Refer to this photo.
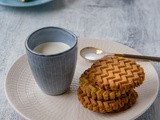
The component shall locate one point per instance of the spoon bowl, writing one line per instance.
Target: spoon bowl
(92, 53)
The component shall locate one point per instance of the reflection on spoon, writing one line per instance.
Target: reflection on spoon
(93, 54)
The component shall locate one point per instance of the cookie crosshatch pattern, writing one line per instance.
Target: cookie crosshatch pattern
(108, 85)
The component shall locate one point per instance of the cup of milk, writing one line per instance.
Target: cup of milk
(52, 56)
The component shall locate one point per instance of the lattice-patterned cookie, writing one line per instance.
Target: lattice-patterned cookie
(116, 73)
(95, 92)
(103, 106)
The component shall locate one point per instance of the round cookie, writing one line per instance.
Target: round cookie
(116, 73)
(95, 92)
(117, 105)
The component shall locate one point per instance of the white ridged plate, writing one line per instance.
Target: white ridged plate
(27, 99)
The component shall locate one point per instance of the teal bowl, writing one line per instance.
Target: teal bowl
(18, 3)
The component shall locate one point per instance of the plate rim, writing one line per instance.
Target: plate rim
(24, 5)
(114, 42)
(5, 88)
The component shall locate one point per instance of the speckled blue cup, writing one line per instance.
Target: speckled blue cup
(53, 73)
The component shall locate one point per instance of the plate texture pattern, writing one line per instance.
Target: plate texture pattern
(27, 99)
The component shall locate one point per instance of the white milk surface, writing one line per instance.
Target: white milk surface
(50, 48)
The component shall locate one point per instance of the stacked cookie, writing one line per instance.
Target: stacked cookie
(108, 85)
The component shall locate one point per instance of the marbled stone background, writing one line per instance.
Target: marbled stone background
(135, 23)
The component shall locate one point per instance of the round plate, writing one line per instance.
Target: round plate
(27, 99)
(18, 3)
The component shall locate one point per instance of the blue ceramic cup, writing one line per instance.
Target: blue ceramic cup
(53, 73)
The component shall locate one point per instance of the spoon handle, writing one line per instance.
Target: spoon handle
(151, 58)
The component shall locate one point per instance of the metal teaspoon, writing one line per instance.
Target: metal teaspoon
(93, 54)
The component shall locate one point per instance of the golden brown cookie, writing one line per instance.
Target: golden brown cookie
(116, 73)
(95, 92)
(103, 106)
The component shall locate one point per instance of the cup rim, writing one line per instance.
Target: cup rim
(39, 54)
